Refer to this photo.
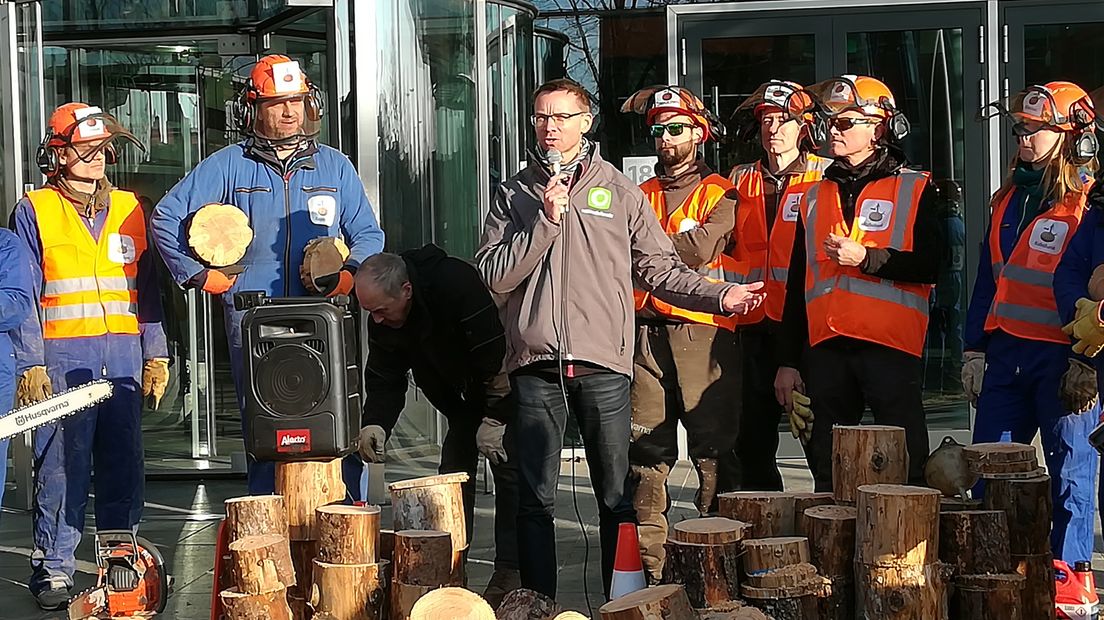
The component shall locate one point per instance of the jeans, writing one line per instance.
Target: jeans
(600, 403)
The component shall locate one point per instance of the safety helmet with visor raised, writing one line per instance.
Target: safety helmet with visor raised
(276, 79)
(863, 94)
(87, 130)
(789, 98)
(1058, 106)
(654, 100)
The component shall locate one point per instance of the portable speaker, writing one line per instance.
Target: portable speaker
(300, 375)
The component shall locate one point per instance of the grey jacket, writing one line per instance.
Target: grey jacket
(567, 287)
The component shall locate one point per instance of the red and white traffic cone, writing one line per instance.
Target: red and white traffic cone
(628, 569)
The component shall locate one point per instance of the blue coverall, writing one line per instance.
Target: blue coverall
(315, 193)
(109, 434)
(1020, 395)
(16, 304)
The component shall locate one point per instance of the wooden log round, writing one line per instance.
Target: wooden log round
(306, 485)
(452, 604)
(254, 515)
(732, 611)
(1000, 458)
(265, 606)
(838, 599)
(763, 554)
(664, 602)
(303, 553)
(709, 531)
(805, 501)
(262, 564)
(988, 597)
(709, 573)
(897, 525)
(526, 604)
(1039, 587)
(433, 503)
(975, 542)
(348, 534)
(1028, 504)
(423, 557)
(219, 234)
(403, 598)
(902, 592)
(787, 577)
(769, 513)
(350, 591)
(803, 607)
(831, 535)
(862, 455)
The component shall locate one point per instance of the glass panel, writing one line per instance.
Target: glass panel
(548, 52)
(510, 68)
(66, 16)
(1064, 52)
(924, 70)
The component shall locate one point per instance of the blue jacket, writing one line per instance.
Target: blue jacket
(1084, 253)
(17, 302)
(316, 193)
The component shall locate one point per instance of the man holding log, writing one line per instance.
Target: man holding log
(294, 191)
(563, 243)
(431, 314)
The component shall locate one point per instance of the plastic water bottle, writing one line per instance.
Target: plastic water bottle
(1006, 437)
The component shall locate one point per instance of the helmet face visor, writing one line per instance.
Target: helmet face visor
(841, 94)
(1036, 108)
(287, 119)
(777, 96)
(93, 133)
(654, 100)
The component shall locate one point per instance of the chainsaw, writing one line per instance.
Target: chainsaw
(57, 407)
(131, 582)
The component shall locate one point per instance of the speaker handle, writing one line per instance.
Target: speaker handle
(252, 299)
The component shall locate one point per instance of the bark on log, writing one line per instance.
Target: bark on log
(1000, 458)
(350, 591)
(864, 455)
(709, 531)
(306, 485)
(831, 535)
(803, 607)
(665, 602)
(303, 553)
(897, 525)
(452, 604)
(709, 573)
(348, 534)
(1028, 504)
(267, 606)
(769, 513)
(975, 542)
(525, 604)
(838, 599)
(765, 554)
(255, 515)
(403, 597)
(732, 611)
(785, 578)
(1039, 587)
(805, 501)
(262, 564)
(433, 503)
(219, 234)
(423, 557)
(300, 609)
(902, 592)
(954, 504)
(988, 597)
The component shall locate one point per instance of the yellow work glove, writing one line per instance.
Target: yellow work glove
(1086, 328)
(801, 417)
(34, 386)
(1078, 392)
(155, 378)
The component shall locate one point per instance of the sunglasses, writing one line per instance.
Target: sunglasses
(844, 124)
(675, 129)
(1022, 129)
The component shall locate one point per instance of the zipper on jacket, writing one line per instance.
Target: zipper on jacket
(563, 283)
(287, 225)
(621, 300)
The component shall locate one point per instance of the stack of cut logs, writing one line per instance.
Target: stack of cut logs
(260, 559)
(306, 486)
(349, 581)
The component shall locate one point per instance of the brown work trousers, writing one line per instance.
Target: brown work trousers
(692, 374)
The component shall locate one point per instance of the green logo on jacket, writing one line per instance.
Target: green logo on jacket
(599, 198)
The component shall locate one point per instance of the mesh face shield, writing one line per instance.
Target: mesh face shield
(91, 134)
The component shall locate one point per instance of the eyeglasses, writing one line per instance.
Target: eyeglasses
(843, 123)
(1024, 129)
(675, 129)
(540, 120)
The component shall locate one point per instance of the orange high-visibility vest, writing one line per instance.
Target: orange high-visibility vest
(756, 254)
(1024, 302)
(694, 210)
(89, 288)
(844, 301)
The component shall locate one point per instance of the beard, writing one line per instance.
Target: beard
(678, 154)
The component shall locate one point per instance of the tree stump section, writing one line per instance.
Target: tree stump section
(769, 513)
(262, 564)
(348, 534)
(732, 611)
(256, 515)
(1039, 588)
(987, 459)
(765, 554)
(798, 604)
(805, 501)
(838, 599)
(452, 604)
(350, 591)
(709, 531)
(902, 592)
(988, 597)
(785, 578)
(433, 503)
(267, 606)
(864, 455)
(832, 540)
(303, 553)
(665, 602)
(306, 485)
(219, 234)
(1028, 504)
(403, 598)
(975, 542)
(709, 573)
(423, 558)
(525, 604)
(897, 525)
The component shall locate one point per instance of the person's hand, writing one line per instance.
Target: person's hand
(372, 439)
(340, 283)
(34, 386)
(801, 417)
(787, 381)
(1078, 392)
(742, 298)
(556, 198)
(488, 439)
(1096, 282)
(844, 250)
(216, 283)
(973, 370)
(155, 379)
(1086, 328)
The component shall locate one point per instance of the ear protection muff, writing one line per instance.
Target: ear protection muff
(111, 157)
(46, 157)
(896, 124)
(818, 130)
(1083, 147)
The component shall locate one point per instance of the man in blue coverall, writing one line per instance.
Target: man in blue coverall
(16, 304)
(293, 191)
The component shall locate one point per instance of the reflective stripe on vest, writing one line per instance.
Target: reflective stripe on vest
(1023, 304)
(696, 208)
(89, 286)
(843, 301)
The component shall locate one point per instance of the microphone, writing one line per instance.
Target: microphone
(555, 159)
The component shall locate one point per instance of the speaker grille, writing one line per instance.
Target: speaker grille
(290, 380)
(262, 347)
(318, 345)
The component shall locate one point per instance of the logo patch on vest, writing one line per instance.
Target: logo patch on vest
(687, 224)
(875, 215)
(120, 249)
(1049, 236)
(599, 198)
(322, 209)
(790, 210)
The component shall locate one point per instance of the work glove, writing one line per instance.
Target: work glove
(34, 386)
(372, 439)
(155, 378)
(1086, 328)
(324, 265)
(340, 283)
(1096, 284)
(973, 370)
(801, 417)
(1078, 391)
(489, 440)
(216, 283)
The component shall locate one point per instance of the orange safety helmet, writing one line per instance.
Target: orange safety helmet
(79, 123)
(1058, 106)
(865, 94)
(653, 100)
(790, 98)
(274, 78)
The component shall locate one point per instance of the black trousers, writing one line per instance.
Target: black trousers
(758, 443)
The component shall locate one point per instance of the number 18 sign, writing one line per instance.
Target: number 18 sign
(639, 169)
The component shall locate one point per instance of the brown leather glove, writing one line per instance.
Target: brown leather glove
(34, 386)
(323, 256)
(1078, 391)
(1096, 284)
(155, 379)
